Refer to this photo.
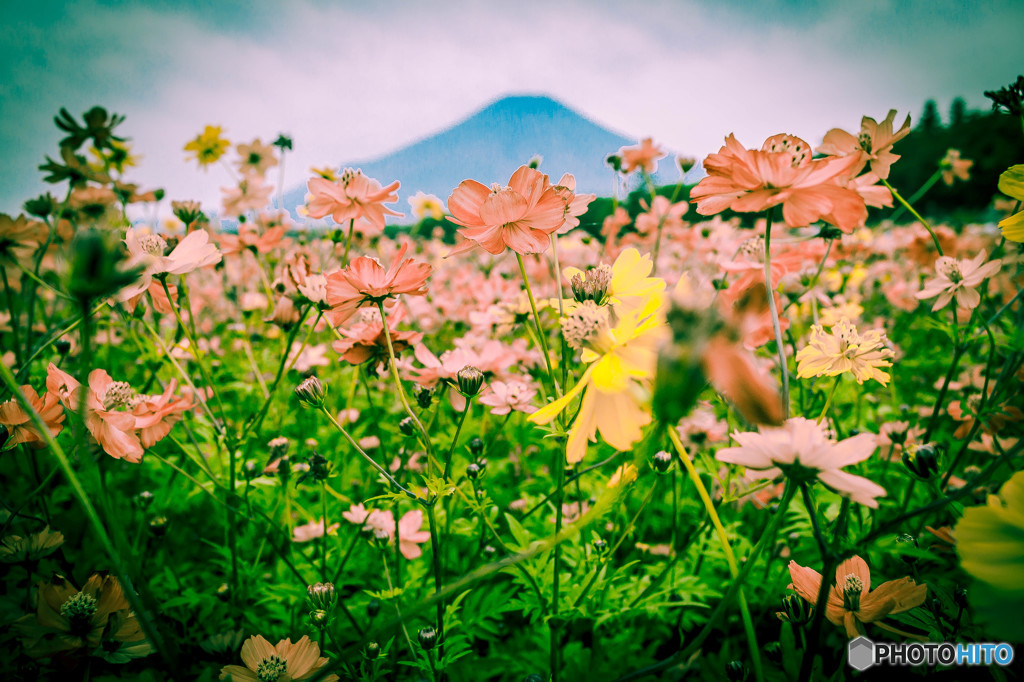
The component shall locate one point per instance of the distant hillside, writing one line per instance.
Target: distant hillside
(489, 145)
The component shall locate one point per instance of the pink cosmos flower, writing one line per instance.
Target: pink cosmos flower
(410, 537)
(112, 429)
(156, 414)
(958, 279)
(313, 530)
(365, 282)
(520, 216)
(365, 340)
(781, 172)
(575, 204)
(353, 196)
(504, 397)
(21, 428)
(644, 156)
(660, 213)
(802, 447)
(872, 146)
(953, 167)
(251, 194)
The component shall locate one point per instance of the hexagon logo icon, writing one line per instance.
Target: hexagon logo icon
(861, 654)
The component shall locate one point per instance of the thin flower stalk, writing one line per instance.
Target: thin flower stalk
(776, 327)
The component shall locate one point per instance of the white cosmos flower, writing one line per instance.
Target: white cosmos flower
(800, 448)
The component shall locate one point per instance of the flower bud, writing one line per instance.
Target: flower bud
(600, 546)
(311, 392)
(470, 380)
(829, 233)
(922, 461)
(476, 446)
(407, 427)
(187, 212)
(373, 608)
(615, 161)
(662, 461)
(795, 610)
(473, 470)
(735, 671)
(592, 286)
(322, 596)
(144, 498)
(534, 677)
(223, 592)
(428, 638)
(319, 618)
(371, 651)
(63, 347)
(424, 397)
(773, 652)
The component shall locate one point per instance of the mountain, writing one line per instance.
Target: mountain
(489, 145)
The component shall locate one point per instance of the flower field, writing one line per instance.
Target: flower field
(708, 431)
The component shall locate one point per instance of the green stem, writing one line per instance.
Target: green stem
(435, 547)
(929, 183)
(393, 367)
(348, 241)
(770, 290)
(723, 538)
(828, 401)
(362, 453)
(935, 238)
(561, 309)
(554, 625)
(455, 439)
(536, 321)
(323, 538)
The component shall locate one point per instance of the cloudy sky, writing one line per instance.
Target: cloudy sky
(355, 80)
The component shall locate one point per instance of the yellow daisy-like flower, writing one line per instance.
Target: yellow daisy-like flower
(630, 288)
(327, 173)
(208, 146)
(616, 385)
(424, 205)
(844, 349)
(850, 310)
(1011, 183)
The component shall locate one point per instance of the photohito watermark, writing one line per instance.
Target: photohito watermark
(863, 653)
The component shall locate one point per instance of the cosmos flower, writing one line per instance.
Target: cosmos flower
(958, 279)
(364, 282)
(953, 167)
(575, 204)
(426, 206)
(365, 340)
(784, 173)
(503, 397)
(851, 601)
(844, 349)
(520, 216)
(20, 428)
(70, 620)
(801, 450)
(156, 414)
(19, 238)
(255, 158)
(15, 549)
(251, 194)
(282, 662)
(352, 197)
(208, 146)
(1011, 183)
(111, 427)
(410, 537)
(642, 156)
(872, 146)
(616, 384)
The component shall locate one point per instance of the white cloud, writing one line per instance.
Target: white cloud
(353, 82)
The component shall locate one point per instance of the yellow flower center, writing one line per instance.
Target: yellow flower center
(270, 669)
(852, 588)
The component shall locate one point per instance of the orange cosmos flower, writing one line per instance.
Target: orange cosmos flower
(851, 601)
(872, 146)
(283, 661)
(365, 340)
(953, 167)
(365, 282)
(643, 156)
(155, 414)
(520, 216)
(112, 429)
(781, 172)
(353, 196)
(20, 428)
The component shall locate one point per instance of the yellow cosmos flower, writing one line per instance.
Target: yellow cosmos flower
(626, 285)
(424, 205)
(1011, 183)
(844, 349)
(208, 146)
(327, 173)
(616, 385)
(829, 317)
